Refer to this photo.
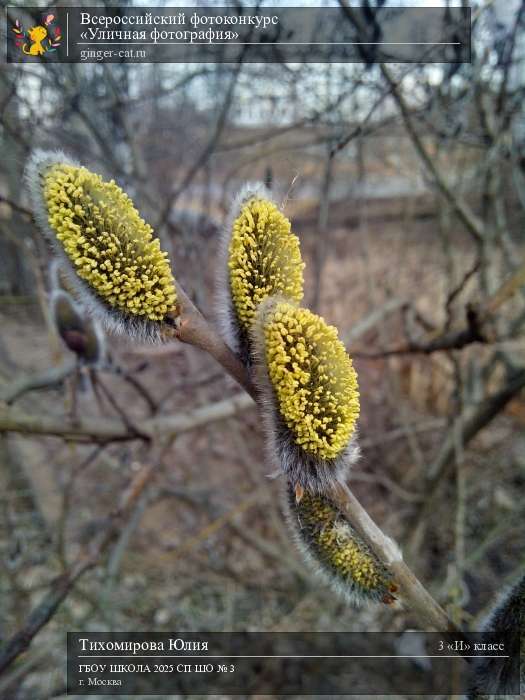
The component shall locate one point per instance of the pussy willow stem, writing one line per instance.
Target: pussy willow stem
(424, 606)
(191, 327)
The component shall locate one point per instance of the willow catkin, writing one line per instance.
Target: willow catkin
(110, 251)
(310, 395)
(261, 257)
(330, 543)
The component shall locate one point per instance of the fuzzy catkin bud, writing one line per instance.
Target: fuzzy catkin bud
(494, 677)
(81, 335)
(330, 543)
(261, 257)
(117, 265)
(310, 394)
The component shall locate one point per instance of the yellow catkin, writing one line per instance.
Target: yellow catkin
(109, 245)
(335, 545)
(313, 379)
(264, 259)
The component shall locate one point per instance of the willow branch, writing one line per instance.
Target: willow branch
(418, 599)
(194, 329)
(188, 325)
(191, 327)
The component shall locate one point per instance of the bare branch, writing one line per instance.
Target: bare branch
(470, 427)
(109, 429)
(88, 559)
(192, 328)
(471, 222)
(41, 380)
(208, 149)
(428, 611)
(473, 225)
(476, 331)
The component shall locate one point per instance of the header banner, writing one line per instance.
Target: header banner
(230, 35)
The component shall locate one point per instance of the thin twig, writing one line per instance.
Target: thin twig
(67, 494)
(17, 207)
(41, 380)
(473, 225)
(457, 291)
(110, 429)
(128, 422)
(476, 330)
(140, 389)
(470, 427)
(209, 147)
(88, 559)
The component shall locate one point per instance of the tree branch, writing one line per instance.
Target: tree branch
(471, 222)
(427, 610)
(470, 427)
(475, 331)
(89, 558)
(113, 430)
(473, 225)
(41, 380)
(191, 327)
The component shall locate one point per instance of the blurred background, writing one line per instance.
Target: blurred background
(406, 187)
